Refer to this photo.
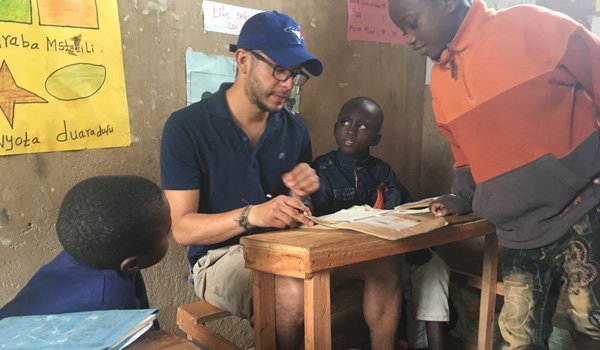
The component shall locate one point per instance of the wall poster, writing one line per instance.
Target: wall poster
(62, 84)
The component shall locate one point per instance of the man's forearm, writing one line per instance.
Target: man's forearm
(203, 229)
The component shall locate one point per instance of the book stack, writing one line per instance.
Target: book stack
(110, 329)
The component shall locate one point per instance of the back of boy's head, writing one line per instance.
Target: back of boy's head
(365, 104)
(104, 220)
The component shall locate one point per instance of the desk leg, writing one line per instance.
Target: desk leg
(317, 312)
(263, 295)
(485, 338)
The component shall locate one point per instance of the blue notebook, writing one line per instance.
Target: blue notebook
(110, 329)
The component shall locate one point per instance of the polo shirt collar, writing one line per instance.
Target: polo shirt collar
(218, 103)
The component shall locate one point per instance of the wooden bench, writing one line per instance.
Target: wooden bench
(474, 281)
(191, 319)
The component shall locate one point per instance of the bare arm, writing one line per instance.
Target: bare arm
(190, 227)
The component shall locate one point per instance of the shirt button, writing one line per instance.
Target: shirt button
(281, 155)
(245, 138)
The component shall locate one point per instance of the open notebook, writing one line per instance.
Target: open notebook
(110, 329)
(403, 221)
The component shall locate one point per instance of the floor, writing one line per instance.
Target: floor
(464, 336)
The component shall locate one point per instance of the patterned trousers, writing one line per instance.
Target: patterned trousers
(533, 279)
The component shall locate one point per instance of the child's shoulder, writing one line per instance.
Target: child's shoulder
(324, 160)
(374, 161)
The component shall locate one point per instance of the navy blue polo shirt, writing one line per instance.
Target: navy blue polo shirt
(202, 148)
(64, 285)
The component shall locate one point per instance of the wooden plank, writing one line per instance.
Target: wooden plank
(485, 337)
(317, 312)
(200, 312)
(161, 340)
(472, 280)
(263, 296)
(203, 335)
(347, 252)
(262, 258)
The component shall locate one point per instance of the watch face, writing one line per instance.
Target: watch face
(242, 220)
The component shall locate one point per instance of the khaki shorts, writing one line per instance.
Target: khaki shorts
(221, 279)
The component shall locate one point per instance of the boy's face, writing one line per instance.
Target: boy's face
(427, 24)
(160, 237)
(356, 130)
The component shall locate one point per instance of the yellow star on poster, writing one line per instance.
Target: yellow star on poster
(11, 94)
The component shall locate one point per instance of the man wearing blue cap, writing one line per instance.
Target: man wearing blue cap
(236, 163)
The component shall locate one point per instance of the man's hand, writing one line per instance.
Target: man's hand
(302, 181)
(281, 212)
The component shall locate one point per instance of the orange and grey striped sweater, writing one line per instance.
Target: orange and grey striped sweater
(517, 95)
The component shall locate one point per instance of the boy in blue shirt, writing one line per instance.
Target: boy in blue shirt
(110, 227)
(351, 176)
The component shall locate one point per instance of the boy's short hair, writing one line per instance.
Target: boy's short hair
(106, 219)
(364, 103)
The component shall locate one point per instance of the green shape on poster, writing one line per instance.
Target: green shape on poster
(15, 11)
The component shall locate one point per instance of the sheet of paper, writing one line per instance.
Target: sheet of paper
(352, 214)
(404, 221)
(80, 330)
(135, 334)
(205, 73)
(62, 85)
(596, 25)
(223, 18)
(390, 221)
(368, 20)
(421, 204)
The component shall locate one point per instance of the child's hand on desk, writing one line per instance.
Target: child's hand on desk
(449, 204)
(438, 208)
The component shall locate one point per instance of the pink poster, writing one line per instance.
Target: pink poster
(368, 20)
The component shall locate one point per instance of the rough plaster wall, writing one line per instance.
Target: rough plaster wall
(155, 36)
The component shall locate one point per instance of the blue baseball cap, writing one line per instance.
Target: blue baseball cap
(279, 37)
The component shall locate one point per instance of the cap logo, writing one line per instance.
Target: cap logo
(297, 32)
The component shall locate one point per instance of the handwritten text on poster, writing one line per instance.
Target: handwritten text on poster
(62, 83)
(368, 20)
(223, 18)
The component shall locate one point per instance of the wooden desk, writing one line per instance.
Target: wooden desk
(311, 254)
(161, 340)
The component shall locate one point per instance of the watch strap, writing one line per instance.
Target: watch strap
(242, 220)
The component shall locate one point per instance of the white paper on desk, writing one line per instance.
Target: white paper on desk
(420, 204)
(387, 224)
(357, 212)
